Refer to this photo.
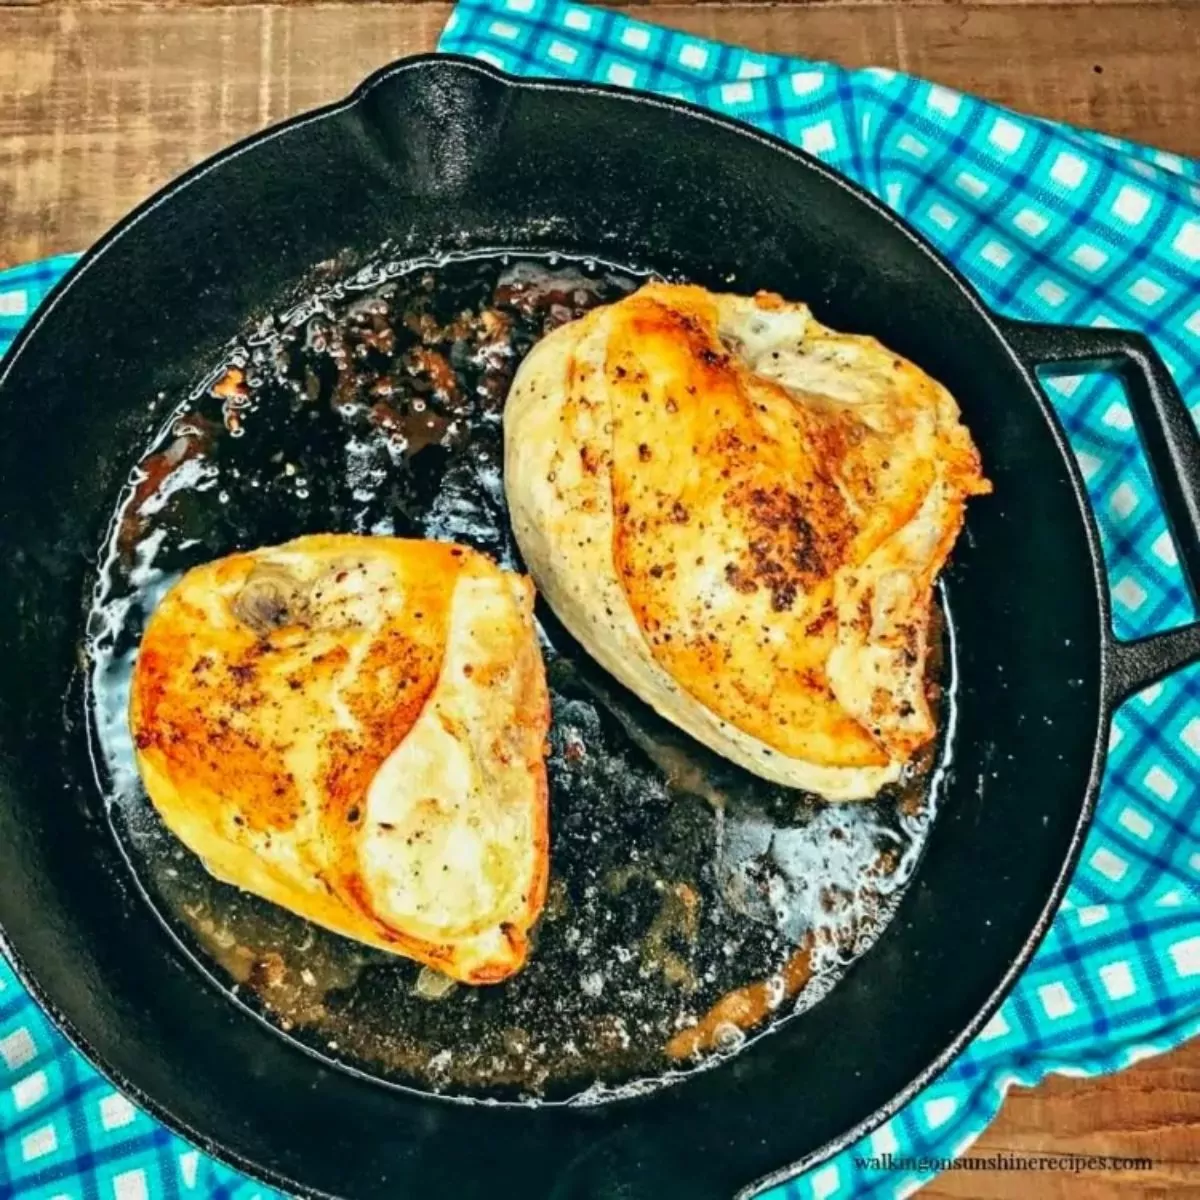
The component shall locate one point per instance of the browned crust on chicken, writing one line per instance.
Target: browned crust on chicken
(264, 708)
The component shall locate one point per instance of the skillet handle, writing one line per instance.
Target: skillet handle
(1172, 447)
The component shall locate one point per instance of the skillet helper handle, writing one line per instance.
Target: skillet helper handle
(1172, 447)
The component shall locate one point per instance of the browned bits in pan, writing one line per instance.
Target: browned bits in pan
(683, 893)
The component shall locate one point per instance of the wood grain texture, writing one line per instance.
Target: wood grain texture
(1149, 1111)
(103, 101)
(189, 4)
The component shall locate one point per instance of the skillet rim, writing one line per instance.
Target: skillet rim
(992, 321)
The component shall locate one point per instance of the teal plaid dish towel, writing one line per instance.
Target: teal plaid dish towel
(1049, 223)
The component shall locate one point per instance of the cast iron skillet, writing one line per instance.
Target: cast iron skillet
(441, 154)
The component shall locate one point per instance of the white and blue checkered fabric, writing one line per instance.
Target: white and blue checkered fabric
(1049, 223)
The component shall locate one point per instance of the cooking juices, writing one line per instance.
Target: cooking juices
(691, 906)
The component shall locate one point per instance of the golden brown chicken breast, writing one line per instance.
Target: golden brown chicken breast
(355, 728)
(740, 514)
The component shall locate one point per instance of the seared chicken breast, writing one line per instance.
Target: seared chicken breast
(354, 728)
(740, 514)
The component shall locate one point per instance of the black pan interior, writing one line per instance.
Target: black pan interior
(441, 157)
(691, 905)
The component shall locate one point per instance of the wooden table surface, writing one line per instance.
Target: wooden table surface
(101, 101)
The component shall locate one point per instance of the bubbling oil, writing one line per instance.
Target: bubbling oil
(692, 906)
